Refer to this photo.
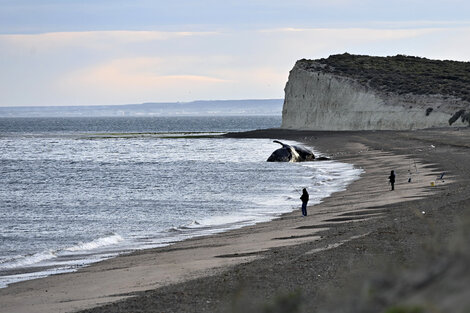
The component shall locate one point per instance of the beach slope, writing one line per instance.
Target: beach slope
(364, 249)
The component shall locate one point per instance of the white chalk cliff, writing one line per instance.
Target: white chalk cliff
(319, 100)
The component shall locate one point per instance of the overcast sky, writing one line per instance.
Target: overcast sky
(95, 52)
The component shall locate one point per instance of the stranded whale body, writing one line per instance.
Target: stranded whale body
(290, 153)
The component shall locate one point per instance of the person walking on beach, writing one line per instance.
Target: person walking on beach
(391, 178)
(304, 199)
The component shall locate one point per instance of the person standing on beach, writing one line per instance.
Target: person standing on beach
(391, 178)
(304, 199)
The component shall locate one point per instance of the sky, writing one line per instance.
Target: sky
(102, 52)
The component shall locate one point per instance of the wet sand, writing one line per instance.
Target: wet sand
(361, 250)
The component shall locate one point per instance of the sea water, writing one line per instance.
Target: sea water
(74, 191)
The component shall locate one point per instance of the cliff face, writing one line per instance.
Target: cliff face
(317, 99)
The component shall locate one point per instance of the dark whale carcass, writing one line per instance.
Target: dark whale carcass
(290, 153)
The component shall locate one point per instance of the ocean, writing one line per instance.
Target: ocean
(74, 191)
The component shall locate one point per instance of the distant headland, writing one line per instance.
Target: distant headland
(360, 92)
(194, 108)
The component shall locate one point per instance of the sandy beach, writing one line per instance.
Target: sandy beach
(365, 249)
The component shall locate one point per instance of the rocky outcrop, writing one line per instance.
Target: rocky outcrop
(320, 99)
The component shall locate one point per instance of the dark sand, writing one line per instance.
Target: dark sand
(365, 249)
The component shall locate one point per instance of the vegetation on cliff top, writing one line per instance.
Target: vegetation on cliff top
(401, 74)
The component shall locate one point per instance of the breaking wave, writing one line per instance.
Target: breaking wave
(38, 259)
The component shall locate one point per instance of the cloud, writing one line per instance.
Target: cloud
(92, 39)
(132, 66)
(139, 78)
(32, 16)
(354, 33)
(135, 72)
(136, 80)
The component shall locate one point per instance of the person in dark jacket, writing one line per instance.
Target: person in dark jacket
(391, 178)
(304, 199)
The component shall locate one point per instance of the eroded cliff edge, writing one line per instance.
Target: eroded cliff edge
(352, 92)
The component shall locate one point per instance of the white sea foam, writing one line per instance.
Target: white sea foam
(96, 244)
(191, 225)
(225, 220)
(45, 258)
(27, 260)
(10, 279)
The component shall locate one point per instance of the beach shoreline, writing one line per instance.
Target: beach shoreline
(217, 273)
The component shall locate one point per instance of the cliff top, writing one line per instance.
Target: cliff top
(399, 74)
